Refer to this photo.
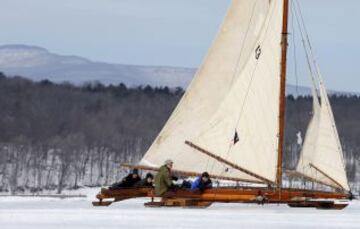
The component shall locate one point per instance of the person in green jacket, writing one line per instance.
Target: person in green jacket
(163, 179)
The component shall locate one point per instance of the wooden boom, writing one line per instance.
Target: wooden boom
(190, 174)
(293, 173)
(222, 160)
(327, 176)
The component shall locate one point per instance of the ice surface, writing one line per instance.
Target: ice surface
(51, 213)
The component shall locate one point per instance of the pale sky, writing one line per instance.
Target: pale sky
(172, 32)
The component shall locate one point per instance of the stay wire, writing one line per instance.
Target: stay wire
(308, 61)
(296, 72)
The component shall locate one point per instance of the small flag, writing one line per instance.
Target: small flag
(236, 137)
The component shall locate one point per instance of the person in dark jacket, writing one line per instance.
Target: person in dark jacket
(148, 181)
(163, 179)
(201, 182)
(128, 181)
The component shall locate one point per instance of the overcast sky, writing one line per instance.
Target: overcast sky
(171, 32)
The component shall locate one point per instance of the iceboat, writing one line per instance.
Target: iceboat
(231, 120)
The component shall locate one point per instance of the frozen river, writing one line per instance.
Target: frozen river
(49, 213)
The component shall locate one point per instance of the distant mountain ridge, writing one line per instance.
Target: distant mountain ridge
(38, 63)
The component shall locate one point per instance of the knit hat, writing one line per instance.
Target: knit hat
(168, 162)
(149, 175)
(205, 174)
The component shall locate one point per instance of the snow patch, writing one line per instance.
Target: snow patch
(16, 212)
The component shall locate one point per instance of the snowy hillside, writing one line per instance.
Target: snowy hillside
(38, 63)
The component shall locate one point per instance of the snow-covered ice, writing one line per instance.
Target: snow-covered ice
(51, 213)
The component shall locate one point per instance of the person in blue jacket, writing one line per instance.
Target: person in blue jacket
(201, 182)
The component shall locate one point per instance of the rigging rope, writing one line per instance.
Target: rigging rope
(296, 73)
(237, 66)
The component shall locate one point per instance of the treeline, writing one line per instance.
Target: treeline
(55, 136)
(58, 135)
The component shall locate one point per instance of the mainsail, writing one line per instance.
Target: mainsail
(231, 107)
(321, 157)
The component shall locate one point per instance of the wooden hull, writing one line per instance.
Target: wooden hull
(186, 198)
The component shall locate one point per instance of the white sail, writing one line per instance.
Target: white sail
(237, 87)
(322, 158)
(309, 146)
(251, 108)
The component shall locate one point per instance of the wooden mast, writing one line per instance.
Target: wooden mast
(284, 43)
